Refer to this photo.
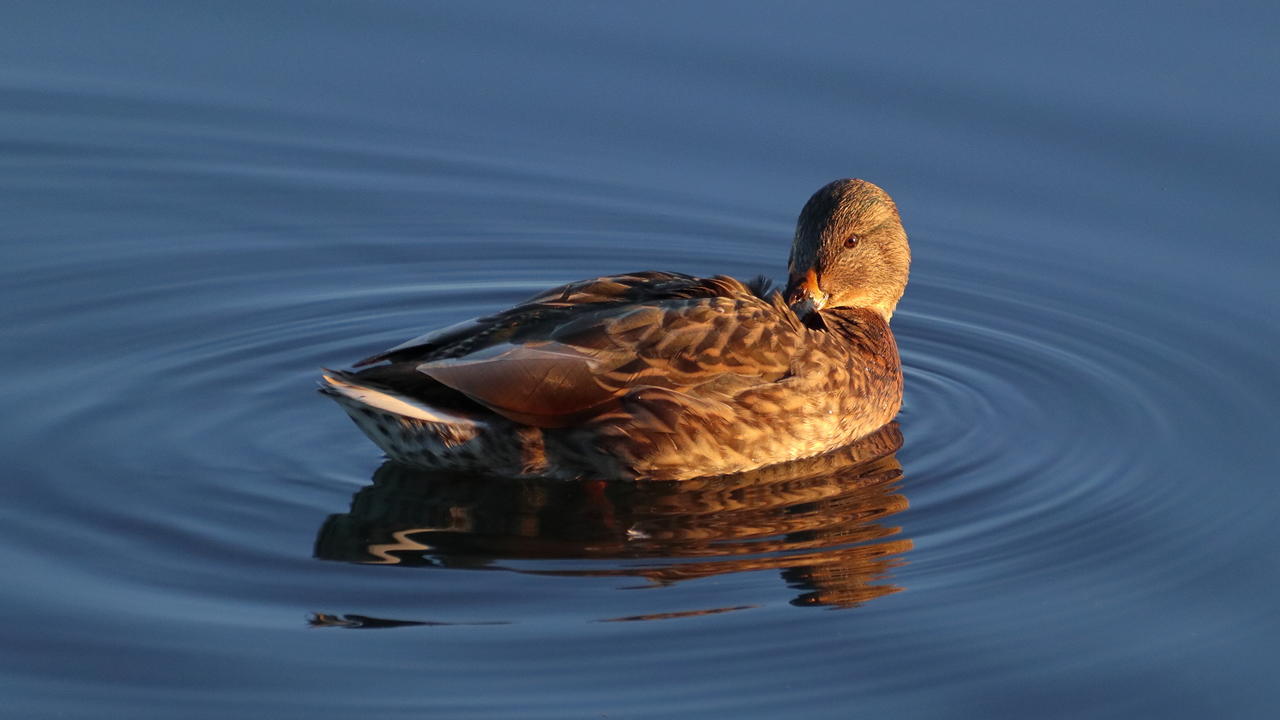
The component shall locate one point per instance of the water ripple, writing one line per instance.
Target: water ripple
(1041, 430)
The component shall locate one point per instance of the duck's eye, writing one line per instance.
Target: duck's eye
(851, 241)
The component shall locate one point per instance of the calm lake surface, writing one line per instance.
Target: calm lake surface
(202, 204)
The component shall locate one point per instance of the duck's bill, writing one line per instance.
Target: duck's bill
(805, 297)
(807, 305)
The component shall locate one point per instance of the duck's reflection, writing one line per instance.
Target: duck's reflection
(819, 522)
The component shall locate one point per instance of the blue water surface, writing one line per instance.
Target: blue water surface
(201, 204)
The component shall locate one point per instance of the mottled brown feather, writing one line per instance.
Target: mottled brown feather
(610, 348)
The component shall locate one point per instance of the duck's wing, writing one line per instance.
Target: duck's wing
(551, 306)
(712, 340)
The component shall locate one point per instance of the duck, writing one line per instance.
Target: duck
(658, 375)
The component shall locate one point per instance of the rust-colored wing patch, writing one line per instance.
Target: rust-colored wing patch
(547, 385)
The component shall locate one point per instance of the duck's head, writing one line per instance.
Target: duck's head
(849, 251)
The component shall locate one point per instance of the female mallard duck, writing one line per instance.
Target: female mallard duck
(655, 374)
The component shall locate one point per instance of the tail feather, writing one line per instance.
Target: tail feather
(343, 387)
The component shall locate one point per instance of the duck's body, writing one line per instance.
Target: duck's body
(646, 375)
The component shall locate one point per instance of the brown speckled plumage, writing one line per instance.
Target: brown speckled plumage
(658, 375)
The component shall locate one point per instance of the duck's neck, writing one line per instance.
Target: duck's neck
(857, 324)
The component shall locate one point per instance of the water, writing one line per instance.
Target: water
(201, 205)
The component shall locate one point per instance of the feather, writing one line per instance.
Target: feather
(543, 384)
(387, 401)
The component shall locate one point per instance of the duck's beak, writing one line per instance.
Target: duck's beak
(804, 296)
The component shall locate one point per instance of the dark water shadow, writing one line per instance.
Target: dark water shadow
(819, 522)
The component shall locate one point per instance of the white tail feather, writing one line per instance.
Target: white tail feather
(391, 403)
